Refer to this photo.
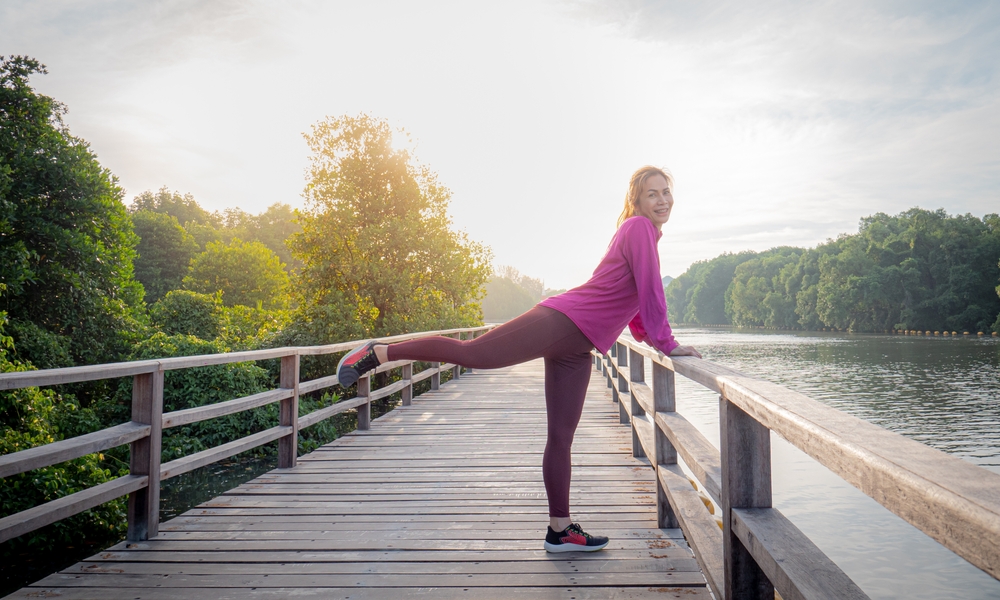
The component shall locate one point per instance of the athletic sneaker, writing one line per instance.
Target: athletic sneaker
(573, 539)
(356, 363)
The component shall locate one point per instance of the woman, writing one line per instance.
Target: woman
(625, 290)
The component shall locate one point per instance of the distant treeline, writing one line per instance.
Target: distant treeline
(920, 269)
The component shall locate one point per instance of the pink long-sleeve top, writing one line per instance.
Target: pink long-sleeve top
(625, 289)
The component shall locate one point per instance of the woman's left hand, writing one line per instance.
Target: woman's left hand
(685, 351)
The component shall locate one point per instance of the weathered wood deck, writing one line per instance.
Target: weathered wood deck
(442, 499)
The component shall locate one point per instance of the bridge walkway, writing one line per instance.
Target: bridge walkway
(442, 499)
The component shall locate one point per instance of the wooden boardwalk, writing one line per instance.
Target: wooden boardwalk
(442, 499)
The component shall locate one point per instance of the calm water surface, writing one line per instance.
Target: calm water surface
(943, 392)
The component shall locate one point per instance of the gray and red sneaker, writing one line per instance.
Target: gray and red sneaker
(573, 539)
(356, 363)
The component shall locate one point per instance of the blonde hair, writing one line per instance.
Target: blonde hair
(635, 189)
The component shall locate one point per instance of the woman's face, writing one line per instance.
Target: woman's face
(655, 201)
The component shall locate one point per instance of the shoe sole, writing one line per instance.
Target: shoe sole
(573, 547)
(347, 356)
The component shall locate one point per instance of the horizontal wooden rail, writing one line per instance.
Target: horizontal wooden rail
(207, 457)
(325, 413)
(144, 432)
(219, 409)
(61, 451)
(67, 506)
(23, 379)
(953, 501)
(778, 547)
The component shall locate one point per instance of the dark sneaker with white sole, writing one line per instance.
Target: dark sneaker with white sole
(355, 364)
(573, 539)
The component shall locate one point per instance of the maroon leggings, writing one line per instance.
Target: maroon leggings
(540, 332)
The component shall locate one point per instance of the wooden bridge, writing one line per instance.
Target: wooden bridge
(443, 497)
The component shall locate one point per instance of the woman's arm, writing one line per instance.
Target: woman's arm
(640, 251)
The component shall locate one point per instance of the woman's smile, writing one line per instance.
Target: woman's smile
(656, 200)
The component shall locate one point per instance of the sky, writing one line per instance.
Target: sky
(783, 123)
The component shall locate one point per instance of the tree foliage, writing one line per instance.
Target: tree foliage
(919, 269)
(509, 294)
(271, 228)
(376, 246)
(247, 273)
(66, 242)
(164, 252)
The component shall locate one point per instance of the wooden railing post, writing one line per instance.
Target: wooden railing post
(746, 483)
(436, 377)
(408, 390)
(365, 410)
(288, 412)
(472, 335)
(622, 360)
(456, 371)
(664, 400)
(635, 409)
(606, 370)
(144, 456)
(636, 373)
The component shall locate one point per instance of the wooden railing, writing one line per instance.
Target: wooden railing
(758, 550)
(144, 432)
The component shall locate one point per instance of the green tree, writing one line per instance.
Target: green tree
(247, 273)
(66, 242)
(164, 252)
(759, 295)
(182, 207)
(376, 244)
(183, 312)
(272, 228)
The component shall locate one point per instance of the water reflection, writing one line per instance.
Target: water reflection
(944, 392)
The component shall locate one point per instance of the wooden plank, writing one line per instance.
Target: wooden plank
(61, 451)
(144, 456)
(23, 379)
(410, 580)
(695, 450)
(497, 567)
(67, 506)
(797, 568)
(389, 389)
(466, 592)
(325, 413)
(207, 457)
(11, 381)
(700, 529)
(319, 383)
(370, 558)
(211, 411)
(746, 483)
(288, 412)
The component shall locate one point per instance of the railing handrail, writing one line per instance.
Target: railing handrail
(953, 501)
(144, 431)
(43, 377)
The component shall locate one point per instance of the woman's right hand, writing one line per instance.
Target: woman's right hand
(685, 351)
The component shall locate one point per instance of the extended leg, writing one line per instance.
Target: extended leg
(535, 333)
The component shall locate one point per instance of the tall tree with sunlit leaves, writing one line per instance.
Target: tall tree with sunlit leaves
(66, 241)
(378, 251)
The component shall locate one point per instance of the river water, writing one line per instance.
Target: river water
(943, 392)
